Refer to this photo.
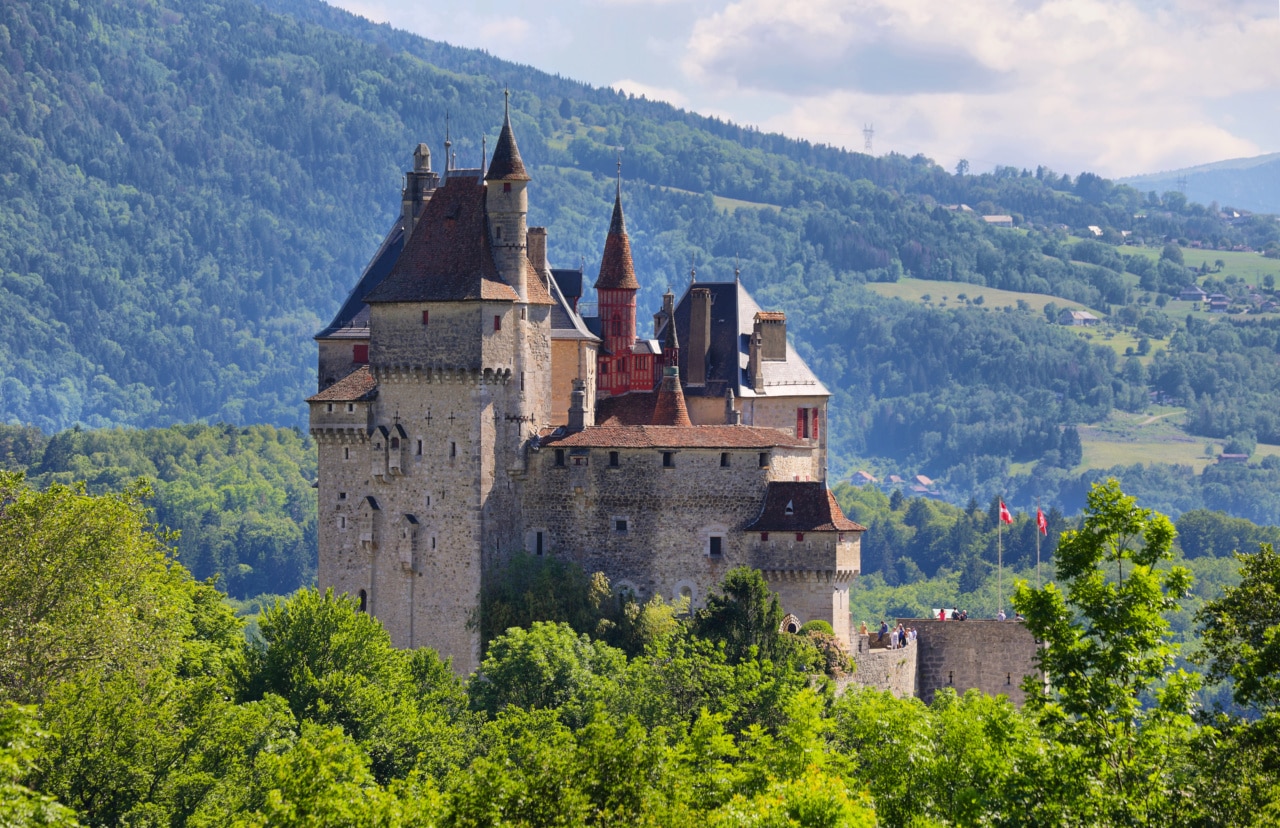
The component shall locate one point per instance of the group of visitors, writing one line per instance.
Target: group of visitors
(955, 615)
(894, 639)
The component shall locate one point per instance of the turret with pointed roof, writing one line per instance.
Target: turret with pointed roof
(507, 205)
(616, 290)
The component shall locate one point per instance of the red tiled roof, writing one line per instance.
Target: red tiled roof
(357, 386)
(448, 258)
(631, 409)
(648, 436)
(617, 272)
(535, 287)
(669, 409)
(507, 164)
(802, 507)
(771, 316)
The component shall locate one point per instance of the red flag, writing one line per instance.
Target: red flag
(1005, 517)
(1041, 523)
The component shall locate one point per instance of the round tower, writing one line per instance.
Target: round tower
(507, 206)
(616, 291)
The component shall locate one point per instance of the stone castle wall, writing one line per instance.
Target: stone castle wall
(991, 656)
(882, 668)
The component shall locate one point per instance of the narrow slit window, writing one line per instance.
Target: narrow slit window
(724, 459)
(668, 459)
(329, 408)
(426, 317)
(613, 459)
(419, 452)
(453, 449)
(559, 457)
(497, 323)
(538, 543)
(346, 454)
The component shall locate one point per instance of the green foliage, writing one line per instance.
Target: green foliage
(533, 588)
(85, 585)
(743, 615)
(545, 666)
(19, 805)
(817, 625)
(1106, 646)
(241, 498)
(1242, 631)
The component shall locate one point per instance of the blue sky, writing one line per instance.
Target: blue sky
(1118, 88)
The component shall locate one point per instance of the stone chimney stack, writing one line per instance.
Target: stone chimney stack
(578, 406)
(732, 416)
(537, 243)
(419, 185)
(699, 334)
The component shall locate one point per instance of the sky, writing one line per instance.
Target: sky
(1116, 88)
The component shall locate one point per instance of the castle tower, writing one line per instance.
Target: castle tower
(419, 185)
(616, 290)
(507, 205)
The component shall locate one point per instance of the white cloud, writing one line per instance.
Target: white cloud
(1115, 87)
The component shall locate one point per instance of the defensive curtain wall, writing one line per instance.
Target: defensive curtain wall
(990, 656)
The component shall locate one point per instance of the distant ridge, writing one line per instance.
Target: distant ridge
(1243, 183)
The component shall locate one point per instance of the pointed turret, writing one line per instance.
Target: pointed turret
(616, 270)
(670, 409)
(507, 205)
(507, 165)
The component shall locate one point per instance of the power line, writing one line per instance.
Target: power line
(868, 132)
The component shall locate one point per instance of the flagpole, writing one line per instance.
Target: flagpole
(1000, 562)
(1037, 543)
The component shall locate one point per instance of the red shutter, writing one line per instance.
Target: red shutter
(497, 323)
(800, 423)
(815, 423)
(424, 317)
(360, 354)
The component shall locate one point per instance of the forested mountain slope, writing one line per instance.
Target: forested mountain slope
(190, 188)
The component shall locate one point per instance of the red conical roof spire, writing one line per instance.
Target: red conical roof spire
(669, 409)
(616, 269)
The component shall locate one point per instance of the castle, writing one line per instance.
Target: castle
(469, 408)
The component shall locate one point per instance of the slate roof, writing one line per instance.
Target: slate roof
(801, 507)
(352, 319)
(565, 323)
(448, 258)
(617, 272)
(507, 165)
(357, 386)
(650, 436)
(732, 319)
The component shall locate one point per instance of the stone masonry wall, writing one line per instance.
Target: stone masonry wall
(991, 656)
(884, 669)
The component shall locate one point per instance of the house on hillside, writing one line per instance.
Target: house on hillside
(1077, 318)
(1240, 459)
(999, 221)
(862, 478)
(1194, 293)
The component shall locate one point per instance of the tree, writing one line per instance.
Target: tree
(962, 167)
(19, 805)
(85, 584)
(744, 614)
(1242, 631)
(1107, 651)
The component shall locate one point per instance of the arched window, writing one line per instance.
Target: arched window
(395, 443)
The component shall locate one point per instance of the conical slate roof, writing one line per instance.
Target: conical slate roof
(616, 269)
(507, 165)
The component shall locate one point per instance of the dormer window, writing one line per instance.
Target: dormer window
(791, 508)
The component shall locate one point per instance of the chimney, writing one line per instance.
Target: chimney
(732, 416)
(757, 357)
(578, 406)
(419, 185)
(699, 334)
(771, 328)
(537, 247)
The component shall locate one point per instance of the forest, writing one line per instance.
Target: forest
(130, 695)
(160, 263)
